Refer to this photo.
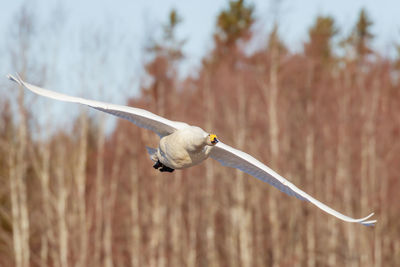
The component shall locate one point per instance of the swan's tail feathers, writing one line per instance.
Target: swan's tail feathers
(153, 153)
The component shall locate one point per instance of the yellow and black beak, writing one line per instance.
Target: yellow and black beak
(213, 139)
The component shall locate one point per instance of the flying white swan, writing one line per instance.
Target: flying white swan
(182, 146)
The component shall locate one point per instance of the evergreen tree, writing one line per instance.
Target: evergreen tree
(361, 36)
(321, 33)
(234, 23)
(233, 26)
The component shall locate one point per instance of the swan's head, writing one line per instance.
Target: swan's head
(212, 140)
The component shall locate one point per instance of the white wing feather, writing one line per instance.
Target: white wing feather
(140, 117)
(234, 158)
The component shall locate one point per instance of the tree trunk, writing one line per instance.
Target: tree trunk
(309, 158)
(63, 190)
(135, 244)
(110, 204)
(43, 173)
(210, 184)
(80, 177)
(15, 209)
(343, 167)
(309, 165)
(18, 165)
(242, 216)
(98, 222)
(271, 97)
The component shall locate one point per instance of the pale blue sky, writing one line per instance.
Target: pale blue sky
(126, 26)
(140, 17)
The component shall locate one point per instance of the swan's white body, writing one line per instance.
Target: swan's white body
(182, 146)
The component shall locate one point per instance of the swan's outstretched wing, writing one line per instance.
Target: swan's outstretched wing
(140, 117)
(234, 158)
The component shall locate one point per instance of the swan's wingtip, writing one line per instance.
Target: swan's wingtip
(367, 217)
(16, 80)
(370, 222)
(11, 78)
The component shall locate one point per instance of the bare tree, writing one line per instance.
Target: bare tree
(80, 183)
(18, 164)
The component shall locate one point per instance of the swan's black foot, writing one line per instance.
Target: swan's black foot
(161, 167)
(158, 165)
(166, 169)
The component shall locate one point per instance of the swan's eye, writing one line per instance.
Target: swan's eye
(213, 139)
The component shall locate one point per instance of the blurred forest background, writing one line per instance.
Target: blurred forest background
(326, 117)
